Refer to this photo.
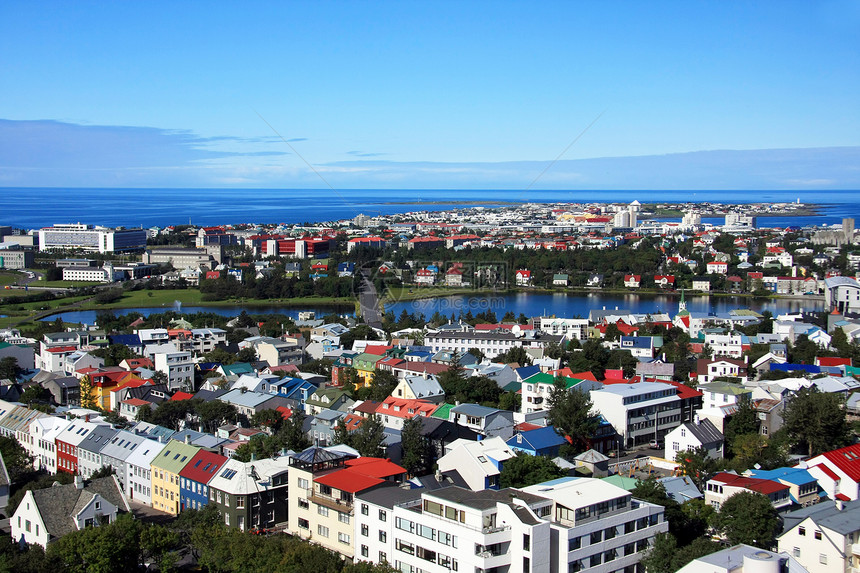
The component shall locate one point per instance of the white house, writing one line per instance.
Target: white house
(695, 434)
(44, 432)
(823, 537)
(837, 472)
(842, 293)
(479, 464)
(48, 514)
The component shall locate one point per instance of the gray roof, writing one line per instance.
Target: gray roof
(475, 410)
(389, 495)
(826, 514)
(680, 488)
(4, 475)
(58, 504)
(705, 431)
(98, 438)
(485, 499)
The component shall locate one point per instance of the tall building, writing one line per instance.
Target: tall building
(560, 526)
(91, 238)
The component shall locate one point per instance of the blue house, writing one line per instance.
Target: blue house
(195, 476)
(295, 389)
(345, 269)
(538, 442)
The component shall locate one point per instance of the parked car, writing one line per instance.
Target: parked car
(655, 444)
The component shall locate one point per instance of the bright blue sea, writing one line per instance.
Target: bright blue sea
(38, 207)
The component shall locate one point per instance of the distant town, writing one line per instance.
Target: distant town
(480, 439)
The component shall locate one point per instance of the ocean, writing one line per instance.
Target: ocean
(31, 208)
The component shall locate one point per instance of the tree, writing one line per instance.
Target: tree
(816, 421)
(9, 369)
(172, 413)
(382, 385)
(524, 470)
(743, 421)
(214, 413)
(416, 450)
(35, 394)
(697, 464)
(247, 354)
(658, 559)
(109, 548)
(86, 391)
(293, 433)
(102, 472)
(570, 412)
(18, 461)
(477, 353)
(748, 517)
(268, 418)
(368, 438)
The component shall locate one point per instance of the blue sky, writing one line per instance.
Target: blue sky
(408, 94)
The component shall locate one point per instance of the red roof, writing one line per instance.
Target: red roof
(203, 466)
(400, 407)
(847, 460)
(832, 361)
(361, 474)
(136, 402)
(62, 349)
(829, 472)
(378, 350)
(285, 412)
(526, 426)
(763, 486)
(842, 497)
(684, 391)
(181, 396)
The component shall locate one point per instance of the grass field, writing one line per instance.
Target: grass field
(66, 284)
(10, 277)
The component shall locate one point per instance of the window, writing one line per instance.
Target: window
(383, 537)
(383, 558)
(365, 530)
(343, 517)
(322, 510)
(574, 543)
(818, 535)
(322, 530)
(240, 502)
(303, 483)
(383, 515)
(365, 509)
(595, 560)
(822, 558)
(364, 551)
(343, 538)
(98, 505)
(226, 519)
(526, 565)
(596, 537)
(801, 531)
(797, 551)
(303, 504)
(303, 523)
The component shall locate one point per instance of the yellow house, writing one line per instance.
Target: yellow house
(365, 367)
(165, 470)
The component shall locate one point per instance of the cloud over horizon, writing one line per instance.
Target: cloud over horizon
(51, 153)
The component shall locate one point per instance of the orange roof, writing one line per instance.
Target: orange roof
(378, 350)
(181, 396)
(402, 408)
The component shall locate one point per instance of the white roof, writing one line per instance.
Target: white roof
(574, 493)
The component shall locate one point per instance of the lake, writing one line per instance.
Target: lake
(530, 304)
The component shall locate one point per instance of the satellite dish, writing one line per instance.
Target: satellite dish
(516, 330)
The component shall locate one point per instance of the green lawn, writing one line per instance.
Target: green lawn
(193, 297)
(66, 284)
(10, 277)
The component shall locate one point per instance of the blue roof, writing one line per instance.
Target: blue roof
(125, 339)
(527, 371)
(811, 368)
(538, 439)
(558, 481)
(796, 476)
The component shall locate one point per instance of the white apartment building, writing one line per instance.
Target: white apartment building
(536, 390)
(565, 525)
(91, 238)
(730, 345)
(178, 366)
(639, 412)
(491, 343)
(569, 327)
(824, 537)
(106, 274)
(138, 479)
(43, 449)
(206, 339)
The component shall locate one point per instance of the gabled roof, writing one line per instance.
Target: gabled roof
(537, 440)
(846, 459)
(763, 486)
(57, 505)
(203, 466)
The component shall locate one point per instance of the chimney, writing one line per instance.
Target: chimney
(839, 505)
(187, 438)
(696, 419)
(79, 482)
(87, 418)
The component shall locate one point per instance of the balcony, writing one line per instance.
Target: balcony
(332, 503)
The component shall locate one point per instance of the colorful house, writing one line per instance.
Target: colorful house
(194, 479)
(166, 467)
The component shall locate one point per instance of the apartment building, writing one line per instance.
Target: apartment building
(639, 412)
(323, 484)
(570, 524)
(253, 494)
(165, 467)
(178, 366)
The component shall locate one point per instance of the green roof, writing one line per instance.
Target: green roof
(513, 386)
(725, 388)
(544, 378)
(175, 456)
(237, 368)
(623, 482)
(442, 411)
